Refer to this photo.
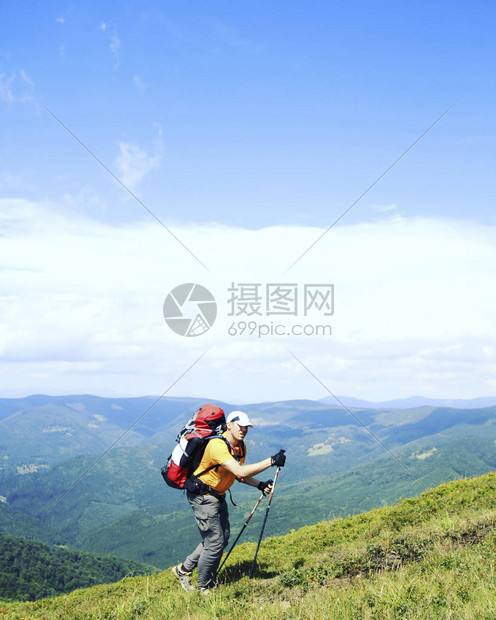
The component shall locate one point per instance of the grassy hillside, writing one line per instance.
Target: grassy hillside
(428, 557)
(112, 516)
(122, 506)
(161, 538)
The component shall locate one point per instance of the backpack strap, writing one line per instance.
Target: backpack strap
(196, 486)
(208, 469)
(243, 450)
(232, 452)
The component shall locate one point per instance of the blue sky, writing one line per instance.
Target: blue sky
(229, 118)
(270, 112)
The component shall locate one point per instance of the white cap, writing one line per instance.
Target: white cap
(240, 417)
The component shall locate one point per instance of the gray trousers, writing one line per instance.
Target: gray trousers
(212, 519)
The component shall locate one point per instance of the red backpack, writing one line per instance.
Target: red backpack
(208, 422)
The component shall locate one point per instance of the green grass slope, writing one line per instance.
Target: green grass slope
(429, 557)
(162, 538)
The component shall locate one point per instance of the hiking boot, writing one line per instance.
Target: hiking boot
(206, 590)
(183, 576)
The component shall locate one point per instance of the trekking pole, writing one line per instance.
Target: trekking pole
(242, 530)
(264, 522)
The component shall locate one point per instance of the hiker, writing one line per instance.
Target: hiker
(209, 503)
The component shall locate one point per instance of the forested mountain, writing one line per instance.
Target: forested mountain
(31, 570)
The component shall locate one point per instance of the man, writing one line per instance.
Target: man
(221, 465)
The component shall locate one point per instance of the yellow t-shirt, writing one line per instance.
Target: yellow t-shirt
(216, 453)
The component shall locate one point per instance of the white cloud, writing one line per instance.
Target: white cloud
(114, 44)
(385, 208)
(60, 20)
(82, 304)
(25, 78)
(133, 163)
(6, 87)
(16, 87)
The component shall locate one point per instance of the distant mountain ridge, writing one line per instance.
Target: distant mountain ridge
(413, 401)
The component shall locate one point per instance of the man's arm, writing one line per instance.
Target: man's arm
(252, 482)
(247, 471)
(265, 487)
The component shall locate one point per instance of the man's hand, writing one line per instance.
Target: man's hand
(278, 459)
(265, 487)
